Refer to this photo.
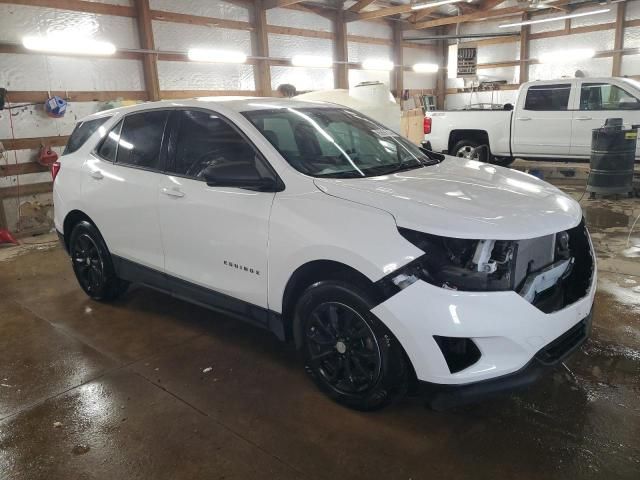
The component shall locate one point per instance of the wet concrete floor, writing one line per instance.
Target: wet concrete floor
(111, 391)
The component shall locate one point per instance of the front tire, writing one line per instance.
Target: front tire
(92, 263)
(349, 353)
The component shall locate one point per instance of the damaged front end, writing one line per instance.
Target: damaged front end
(550, 272)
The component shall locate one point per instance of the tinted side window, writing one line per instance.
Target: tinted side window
(604, 96)
(548, 97)
(204, 139)
(141, 139)
(81, 134)
(109, 146)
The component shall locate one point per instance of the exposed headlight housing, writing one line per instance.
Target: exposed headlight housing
(459, 264)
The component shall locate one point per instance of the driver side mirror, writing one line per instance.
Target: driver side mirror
(239, 175)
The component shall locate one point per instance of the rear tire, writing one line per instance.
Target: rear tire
(93, 265)
(351, 356)
(469, 149)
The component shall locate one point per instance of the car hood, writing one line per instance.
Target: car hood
(464, 199)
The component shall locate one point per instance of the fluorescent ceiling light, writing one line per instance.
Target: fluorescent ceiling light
(68, 43)
(553, 19)
(216, 56)
(420, 6)
(562, 56)
(425, 68)
(378, 64)
(312, 61)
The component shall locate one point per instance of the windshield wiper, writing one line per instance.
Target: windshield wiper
(433, 156)
(403, 167)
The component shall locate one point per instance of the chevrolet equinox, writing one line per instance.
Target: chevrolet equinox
(389, 266)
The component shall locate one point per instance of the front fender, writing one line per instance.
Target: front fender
(316, 226)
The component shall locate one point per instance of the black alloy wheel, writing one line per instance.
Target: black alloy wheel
(343, 348)
(349, 353)
(87, 264)
(92, 263)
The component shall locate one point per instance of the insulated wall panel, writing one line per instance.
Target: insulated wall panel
(20, 21)
(205, 76)
(490, 26)
(631, 65)
(180, 37)
(510, 74)
(303, 79)
(608, 17)
(284, 17)
(595, 67)
(632, 37)
(599, 41)
(204, 8)
(633, 10)
(501, 52)
(39, 72)
(23, 72)
(32, 121)
(364, 51)
(417, 55)
(67, 73)
(415, 81)
(547, 26)
(285, 46)
(370, 29)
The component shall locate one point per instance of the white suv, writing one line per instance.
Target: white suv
(388, 265)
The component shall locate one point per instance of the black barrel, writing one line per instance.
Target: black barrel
(613, 153)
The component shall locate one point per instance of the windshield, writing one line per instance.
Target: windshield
(336, 142)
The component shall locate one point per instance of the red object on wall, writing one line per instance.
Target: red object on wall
(47, 157)
(6, 237)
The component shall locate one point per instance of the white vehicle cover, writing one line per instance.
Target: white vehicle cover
(373, 99)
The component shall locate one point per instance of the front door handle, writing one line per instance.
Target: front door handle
(523, 119)
(97, 174)
(582, 119)
(172, 192)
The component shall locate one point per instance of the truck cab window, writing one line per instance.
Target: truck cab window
(548, 98)
(604, 96)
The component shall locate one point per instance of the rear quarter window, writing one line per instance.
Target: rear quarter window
(81, 134)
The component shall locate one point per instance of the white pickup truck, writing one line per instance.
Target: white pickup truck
(550, 119)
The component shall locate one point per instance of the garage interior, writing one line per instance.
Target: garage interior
(153, 387)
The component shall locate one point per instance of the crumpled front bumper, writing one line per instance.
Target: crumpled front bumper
(508, 330)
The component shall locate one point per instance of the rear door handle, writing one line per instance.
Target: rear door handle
(523, 119)
(97, 174)
(582, 119)
(172, 192)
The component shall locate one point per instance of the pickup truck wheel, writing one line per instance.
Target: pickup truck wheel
(468, 149)
(349, 353)
(92, 263)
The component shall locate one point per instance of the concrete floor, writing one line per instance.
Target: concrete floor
(90, 390)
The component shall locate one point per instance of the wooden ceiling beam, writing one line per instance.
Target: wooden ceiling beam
(78, 6)
(481, 15)
(360, 5)
(279, 3)
(381, 12)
